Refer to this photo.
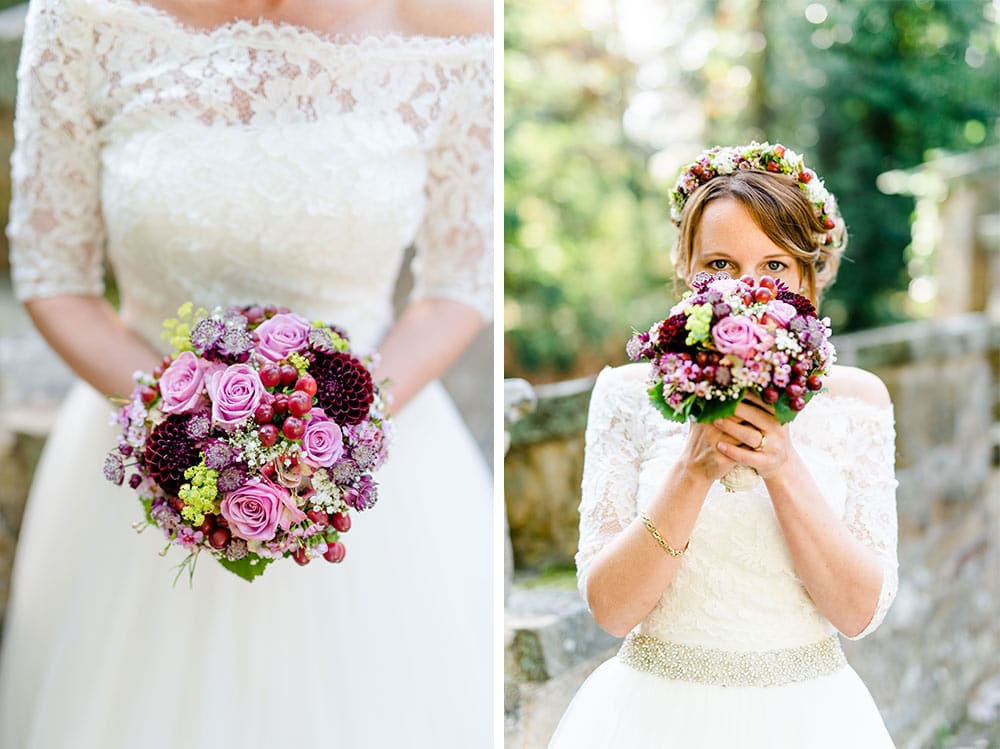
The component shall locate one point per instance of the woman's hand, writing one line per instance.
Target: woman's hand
(702, 456)
(754, 437)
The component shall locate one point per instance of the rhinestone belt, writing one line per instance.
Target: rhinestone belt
(757, 668)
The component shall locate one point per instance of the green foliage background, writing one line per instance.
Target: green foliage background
(872, 87)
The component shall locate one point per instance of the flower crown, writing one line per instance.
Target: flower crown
(762, 157)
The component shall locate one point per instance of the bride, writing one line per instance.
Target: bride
(731, 602)
(230, 152)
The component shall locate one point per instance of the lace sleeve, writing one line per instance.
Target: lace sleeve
(454, 243)
(610, 469)
(56, 232)
(871, 496)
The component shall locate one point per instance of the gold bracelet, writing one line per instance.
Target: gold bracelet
(659, 539)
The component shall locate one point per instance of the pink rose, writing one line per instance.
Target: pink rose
(236, 392)
(182, 385)
(323, 442)
(738, 335)
(282, 335)
(781, 312)
(253, 510)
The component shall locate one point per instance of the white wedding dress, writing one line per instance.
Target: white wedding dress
(257, 162)
(735, 654)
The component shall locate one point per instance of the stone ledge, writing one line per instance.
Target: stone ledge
(919, 341)
(550, 631)
(559, 410)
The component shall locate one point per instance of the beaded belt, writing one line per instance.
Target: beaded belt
(757, 668)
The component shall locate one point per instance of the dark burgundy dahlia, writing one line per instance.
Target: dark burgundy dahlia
(802, 305)
(344, 387)
(170, 451)
(672, 334)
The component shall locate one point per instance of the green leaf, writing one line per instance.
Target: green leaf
(713, 410)
(678, 414)
(248, 567)
(784, 412)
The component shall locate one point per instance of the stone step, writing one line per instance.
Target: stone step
(549, 631)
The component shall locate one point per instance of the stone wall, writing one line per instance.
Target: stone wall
(935, 657)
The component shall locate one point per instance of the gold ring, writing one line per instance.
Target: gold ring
(763, 441)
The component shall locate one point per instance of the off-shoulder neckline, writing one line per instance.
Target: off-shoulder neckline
(269, 31)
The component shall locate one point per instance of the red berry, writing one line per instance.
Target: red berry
(773, 166)
(828, 223)
(747, 298)
(267, 470)
(293, 428)
(270, 375)
(207, 525)
(770, 395)
(280, 403)
(768, 283)
(795, 390)
(814, 383)
(308, 384)
(167, 361)
(762, 294)
(779, 150)
(254, 314)
(805, 177)
(701, 358)
(797, 404)
(341, 521)
(747, 279)
(335, 552)
(270, 310)
(318, 516)
(299, 403)
(219, 538)
(176, 503)
(289, 375)
(147, 394)
(158, 371)
(264, 413)
(221, 521)
(268, 434)
(301, 556)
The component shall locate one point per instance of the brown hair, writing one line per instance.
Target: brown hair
(781, 210)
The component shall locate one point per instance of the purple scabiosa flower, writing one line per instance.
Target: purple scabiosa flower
(344, 471)
(237, 549)
(365, 455)
(721, 309)
(199, 425)
(114, 468)
(635, 346)
(321, 341)
(206, 334)
(231, 478)
(217, 453)
(236, 341)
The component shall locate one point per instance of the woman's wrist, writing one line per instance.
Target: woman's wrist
(787, 476)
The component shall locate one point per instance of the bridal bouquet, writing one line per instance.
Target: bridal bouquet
(728, 336)
(255, 440)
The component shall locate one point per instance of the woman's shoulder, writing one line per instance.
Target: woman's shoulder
(620, 388)
(858, 384)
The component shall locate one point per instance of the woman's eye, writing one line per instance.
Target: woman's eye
(776, 266)
(718, 264)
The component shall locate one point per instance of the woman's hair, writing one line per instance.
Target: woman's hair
(783, 213)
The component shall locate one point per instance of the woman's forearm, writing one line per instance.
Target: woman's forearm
(842, 576)
(90, 337)
(424, 342)
(628, 577)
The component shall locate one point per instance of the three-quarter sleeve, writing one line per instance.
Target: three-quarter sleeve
(870, 512)
(454, 245)
(56, 231)
(610, 468)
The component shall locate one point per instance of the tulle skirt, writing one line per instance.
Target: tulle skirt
(619, 707)
(391, 648)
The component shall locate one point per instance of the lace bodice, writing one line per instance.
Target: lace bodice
(736, 588)
(253, 162)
